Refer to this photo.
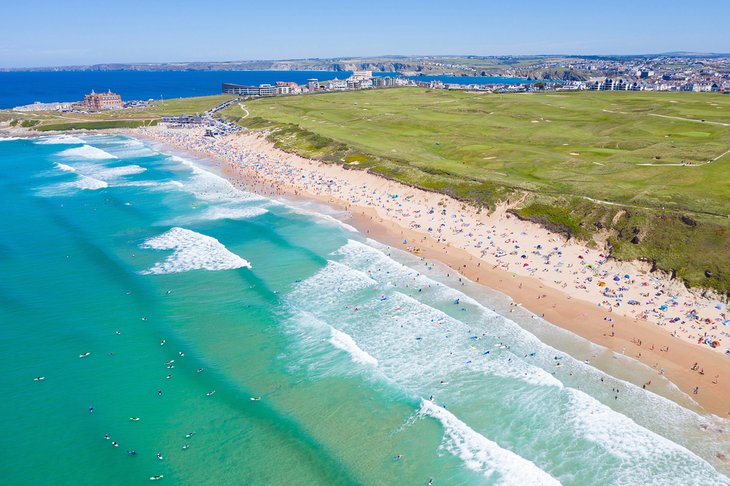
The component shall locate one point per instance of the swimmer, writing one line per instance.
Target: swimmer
(210, 393)
(189, 435)
(162, 343)
(199, 370)
(159, 456)
(106, 436)
(115, 443)
(91, 409)
(185, 446)
(39, 378)
(132, 453)
(168, 376)
(159, 393)
(397, 458)
(181, 353)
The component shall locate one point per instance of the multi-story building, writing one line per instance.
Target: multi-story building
(102, 101)
(240, 89)
(336, 85)
(266, 90)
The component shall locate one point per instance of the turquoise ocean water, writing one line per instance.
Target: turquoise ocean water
(372, 367)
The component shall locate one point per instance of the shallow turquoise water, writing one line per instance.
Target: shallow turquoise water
(358, 353)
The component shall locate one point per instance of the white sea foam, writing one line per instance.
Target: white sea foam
(223, 212)
(210, 187)
(87, 152)
(483, 455)
(333, 279)
(129, 148)
(59, 140)
(8, 139)
(110, 173)
(92, 176)
(318, 216)
(637, 448)
(84, 182)
(64, 167)
(414, 342)
(218, 212)
(366, 295)
(345, 342)
(191, 251)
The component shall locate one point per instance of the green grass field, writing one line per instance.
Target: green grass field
(558, 148)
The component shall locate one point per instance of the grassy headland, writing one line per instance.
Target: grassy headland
(643, 172)
(126, 118)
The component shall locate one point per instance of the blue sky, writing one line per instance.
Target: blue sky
(63, 32)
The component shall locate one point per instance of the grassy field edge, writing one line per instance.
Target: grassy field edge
(691, 246)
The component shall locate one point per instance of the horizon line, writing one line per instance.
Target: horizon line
(71, 67)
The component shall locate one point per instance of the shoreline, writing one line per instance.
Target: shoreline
(271, 174)
(636, 338)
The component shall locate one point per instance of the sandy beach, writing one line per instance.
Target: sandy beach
(620, 305)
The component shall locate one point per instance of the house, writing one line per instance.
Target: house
(102, 101)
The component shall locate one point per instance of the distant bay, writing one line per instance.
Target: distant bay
(22, 88)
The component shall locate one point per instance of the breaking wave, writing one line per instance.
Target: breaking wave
(87, 152)
(191, 251)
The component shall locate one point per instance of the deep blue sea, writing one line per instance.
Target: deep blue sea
(22, 88)
(157, 322)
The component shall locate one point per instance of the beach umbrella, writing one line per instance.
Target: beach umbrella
(616, 279)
